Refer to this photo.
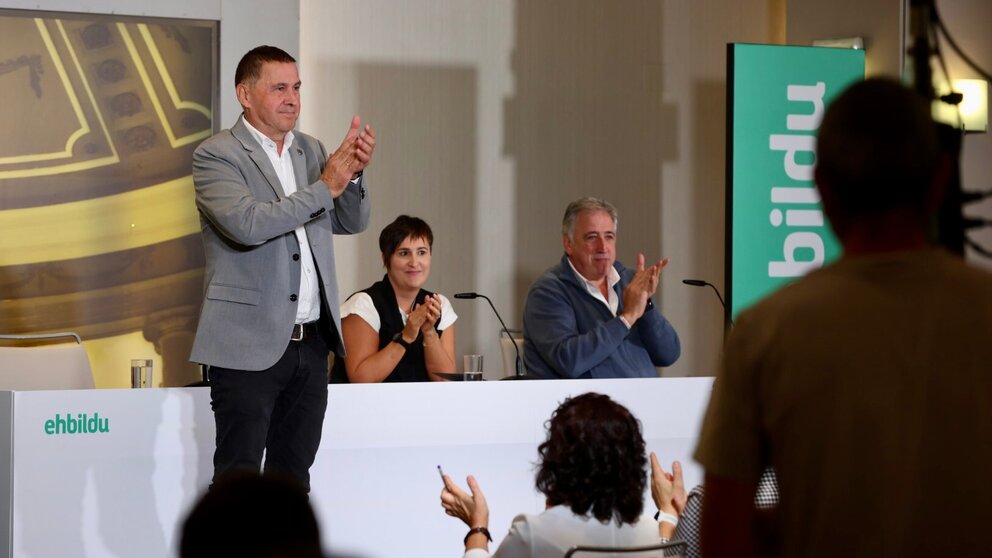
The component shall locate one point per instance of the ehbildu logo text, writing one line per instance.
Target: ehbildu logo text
(82, 423)
(799, 198)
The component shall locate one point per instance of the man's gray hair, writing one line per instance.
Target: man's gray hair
(585, 204)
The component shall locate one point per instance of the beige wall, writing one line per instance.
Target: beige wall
(492, 115)
(878, 22)
(695, 35)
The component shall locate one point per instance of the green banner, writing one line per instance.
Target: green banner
(776, 98)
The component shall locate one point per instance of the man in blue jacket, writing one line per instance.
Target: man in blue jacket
(589, 316)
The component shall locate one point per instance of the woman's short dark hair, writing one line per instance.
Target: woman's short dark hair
(594, 459)
(399, 230)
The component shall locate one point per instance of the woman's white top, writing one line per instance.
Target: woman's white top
(362, 306)
(552, 533)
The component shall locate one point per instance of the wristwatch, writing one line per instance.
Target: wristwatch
(662, 517)
(398, 338)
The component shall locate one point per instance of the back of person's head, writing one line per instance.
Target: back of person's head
(877, 151)
(252, 516)
(250, 67)
(594, 459)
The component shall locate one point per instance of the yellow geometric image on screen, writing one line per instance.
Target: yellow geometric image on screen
(100, 234)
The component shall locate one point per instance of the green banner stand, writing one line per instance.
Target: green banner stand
(776, 97)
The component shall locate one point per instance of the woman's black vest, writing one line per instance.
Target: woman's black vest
(411, 367)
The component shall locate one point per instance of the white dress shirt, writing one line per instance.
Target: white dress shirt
(612, 278)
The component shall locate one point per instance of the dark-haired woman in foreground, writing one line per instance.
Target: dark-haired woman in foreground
(592, 474)
(395, 331)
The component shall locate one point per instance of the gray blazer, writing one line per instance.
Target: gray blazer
(252, 264)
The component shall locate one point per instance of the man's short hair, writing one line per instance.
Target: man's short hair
(585, 204)
(250, 67)
(877, 149)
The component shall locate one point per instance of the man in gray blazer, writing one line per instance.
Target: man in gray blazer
(270, 201)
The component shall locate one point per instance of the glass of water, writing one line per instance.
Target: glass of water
(141, 373)
(472, 367)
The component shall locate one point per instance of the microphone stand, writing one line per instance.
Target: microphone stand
(518, 365)
(728, 322)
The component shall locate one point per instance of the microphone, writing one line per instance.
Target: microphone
(973, 196)
(518, 365)
(973, 223)
(701, 283)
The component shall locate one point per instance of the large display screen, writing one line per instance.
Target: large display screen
(776, 97)
(101, 237)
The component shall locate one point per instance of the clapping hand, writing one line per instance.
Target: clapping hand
(364, 146)
(667, 489)
(350, 158)
(422, 318)
(642, 287)
(432, 309)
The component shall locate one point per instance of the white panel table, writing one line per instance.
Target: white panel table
(117, 479)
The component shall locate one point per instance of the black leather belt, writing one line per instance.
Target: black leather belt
(301, 331)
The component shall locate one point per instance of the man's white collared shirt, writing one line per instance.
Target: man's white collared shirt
(612, 278)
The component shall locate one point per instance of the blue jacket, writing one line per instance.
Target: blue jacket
(570, 334)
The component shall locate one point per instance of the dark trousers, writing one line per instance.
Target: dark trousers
(279, 410)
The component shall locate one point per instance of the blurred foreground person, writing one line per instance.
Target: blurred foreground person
(251, 516)
(867, 384)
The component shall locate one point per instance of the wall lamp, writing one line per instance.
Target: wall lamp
(973, 106)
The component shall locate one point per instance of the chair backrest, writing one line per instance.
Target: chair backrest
(672, 548)
(44, 367)
(506, 350)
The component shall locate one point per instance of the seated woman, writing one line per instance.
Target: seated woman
(592, 475)
(395, 331)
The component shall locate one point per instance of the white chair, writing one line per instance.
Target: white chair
(44, 366)
(506, 349)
